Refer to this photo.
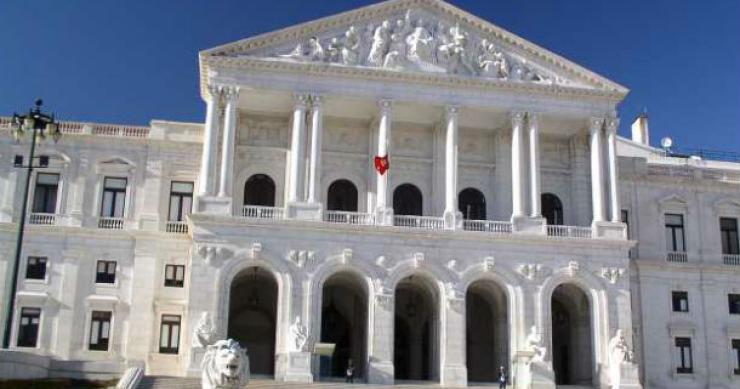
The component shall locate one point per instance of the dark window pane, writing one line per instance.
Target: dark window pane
(100, 330)
(28, 330)
(259, 190)
(733, 300)
(342, 196)
(472, 204)
(407, 200)
(36, 268)
(552, 209)
(680, 301)
(169, 334)
(105, 272)
(174, 276)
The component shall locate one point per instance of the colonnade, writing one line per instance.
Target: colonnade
(302, 189)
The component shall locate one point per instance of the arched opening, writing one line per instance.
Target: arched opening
(344, 323)
(552, 209)
(487, 331)
(416, 351)
(342, 196)
(259, 190)
(572, 351)
(252, 317)
(407, 200)
(472, 204)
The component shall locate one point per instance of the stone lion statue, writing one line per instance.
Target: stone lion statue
(225, 366)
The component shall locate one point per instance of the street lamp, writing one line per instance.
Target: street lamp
(41, 125)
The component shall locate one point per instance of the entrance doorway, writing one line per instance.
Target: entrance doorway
(572, 354)
(487, 332)
(344, 323)
(252, 317)
(415, 353)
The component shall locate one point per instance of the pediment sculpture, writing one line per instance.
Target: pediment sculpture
(418, 41)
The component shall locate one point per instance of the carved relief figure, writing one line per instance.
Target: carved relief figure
(453, 53)
(619, 353)
(315, 51)
(396, 56)
(534, 343)
(351, 49)
(204, 334)
(334, 50)
(299, 335)
(225, 366)
(420, 44)
(491, 61)
(380, 45)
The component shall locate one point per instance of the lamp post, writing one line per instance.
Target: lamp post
(40, 125)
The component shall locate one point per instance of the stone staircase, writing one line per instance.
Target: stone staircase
(156, 382)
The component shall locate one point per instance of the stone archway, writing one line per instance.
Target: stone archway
(253, 317)
(344, 323)
(572, 348)
(487, 331)
(416, 330)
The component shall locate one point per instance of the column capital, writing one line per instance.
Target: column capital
(214, 90)
(517, 117)
(230, 93)
(317, 101)
(612, 123)
(533, 119)
(300, 100)
(385, 105)
(451, 111)
(595, 124)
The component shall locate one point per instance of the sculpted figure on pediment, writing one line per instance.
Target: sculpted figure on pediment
(492, 61)
(350, 52)
(381, 44)
(420, 44)
(311, 51)
(396, 57)
(453, 54)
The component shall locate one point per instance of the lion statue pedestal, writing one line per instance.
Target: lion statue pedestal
(225, 366)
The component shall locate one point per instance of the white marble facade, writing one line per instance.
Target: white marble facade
(554, 293)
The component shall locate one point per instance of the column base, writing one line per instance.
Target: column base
(454, 376)
(609, 230)
(384, 216)
(213, 205)
(380, 372)
(453, 220)
(528, 225)
(303, 211)
(294, 367)
(534, 375)
(627, 376)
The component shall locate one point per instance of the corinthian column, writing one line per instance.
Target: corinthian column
(611, 139)
(451, 211)
(597, 169)
(314, 173)
(231, 96)
(206, 178)
(295, 182)
(384, 136)
(534, 166)
(517, 176)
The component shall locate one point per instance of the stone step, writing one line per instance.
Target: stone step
(160, 382)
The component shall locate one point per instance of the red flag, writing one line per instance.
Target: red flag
(381, 164)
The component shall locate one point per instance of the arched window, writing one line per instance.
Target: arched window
(259, 190)
(552, 209)
(342, 196)
(472, 204)
(407, 200)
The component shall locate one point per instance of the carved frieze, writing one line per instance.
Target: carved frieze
(612, 274)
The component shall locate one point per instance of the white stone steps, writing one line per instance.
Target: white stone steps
(152, 382)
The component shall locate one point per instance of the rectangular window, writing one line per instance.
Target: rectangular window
(626, 220)
(684, 362)
(36, 268)
(100, 330)
(114, 197)
(728, 230)
(733, 299)
(28, 331)
(45, 193)
(181, 200)
(169, 334)
(174, 275)
(680, 301)
(105, 273)
(736, 356)
(674, 232)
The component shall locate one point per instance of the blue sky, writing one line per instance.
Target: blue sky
(133, 61)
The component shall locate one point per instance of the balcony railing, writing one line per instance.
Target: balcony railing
(677, 256)
(568, 231)
(110, 223)
(176, 227)
(349, 217)
(495, 227)
(731, 259)
(425, 222)
(261, 212)
(46, 219)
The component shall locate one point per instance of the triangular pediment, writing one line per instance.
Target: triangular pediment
(419, 37)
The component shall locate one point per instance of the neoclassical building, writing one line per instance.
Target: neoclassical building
(430, 194)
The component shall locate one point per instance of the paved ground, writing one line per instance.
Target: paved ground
(192, 383)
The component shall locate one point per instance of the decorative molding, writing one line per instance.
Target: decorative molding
(384, 301)
(488, 263)
(573, 268)
(612, 274)
(300, 258)
(530, 270)
(211, 253)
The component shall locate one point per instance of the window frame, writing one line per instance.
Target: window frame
(167, 321)
(28, 270)
(20, 336)
(46, 188)
(116, 193)
(685, 354)
(180, 196)
(99, 346)
(99, 278)
(733, 300)
(682, 295)
(730, 244)
(672, 245)
(735, 349)
(174, 282)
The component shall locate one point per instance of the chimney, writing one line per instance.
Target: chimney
(640, 131)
